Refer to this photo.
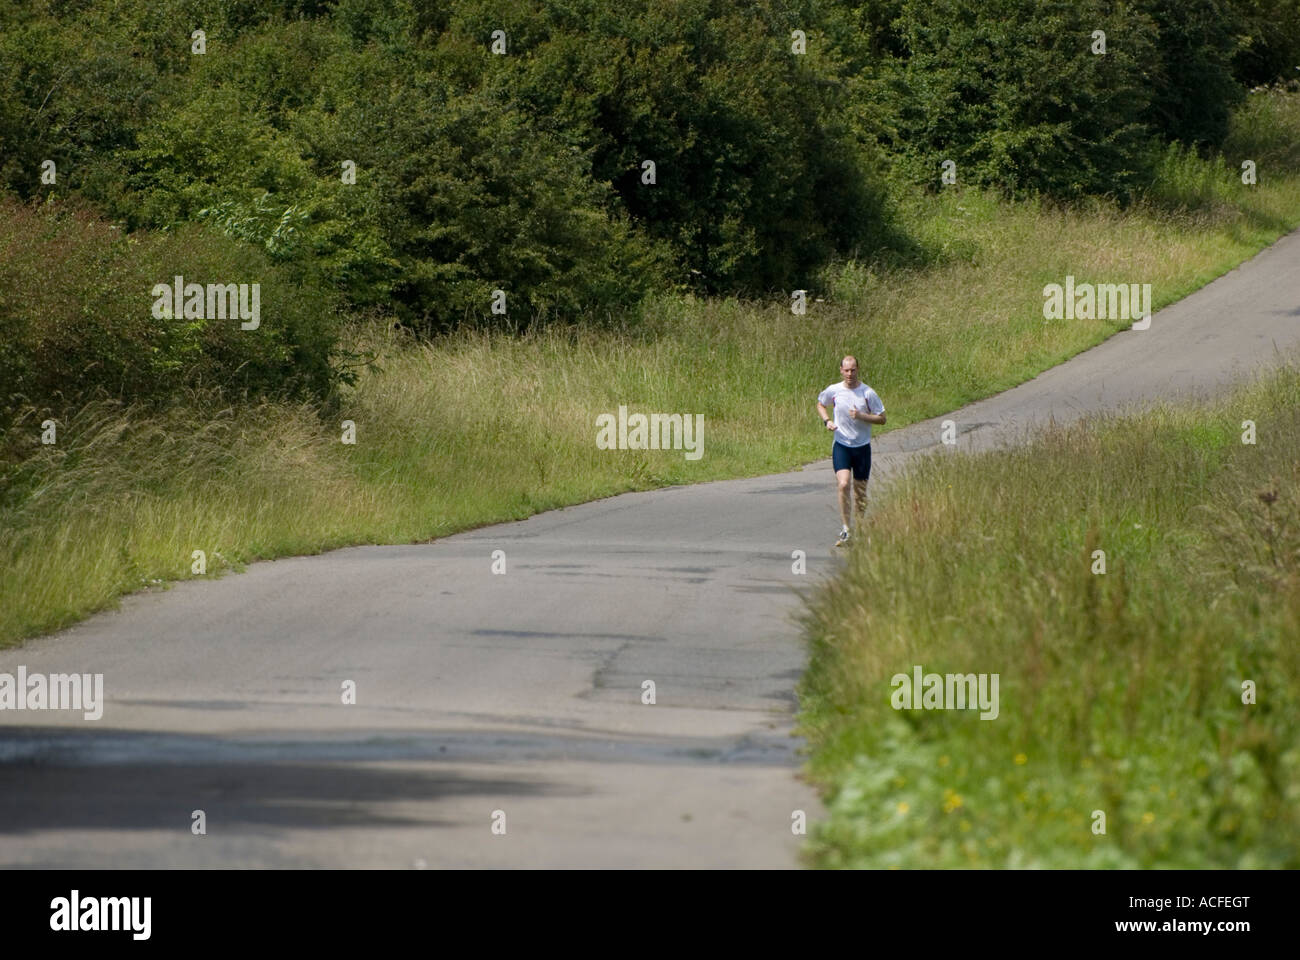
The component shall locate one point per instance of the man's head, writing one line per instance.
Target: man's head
(849, 371)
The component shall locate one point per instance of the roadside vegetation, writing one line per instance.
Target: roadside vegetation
(1120, 692)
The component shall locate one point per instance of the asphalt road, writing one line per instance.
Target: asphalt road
(519, 693)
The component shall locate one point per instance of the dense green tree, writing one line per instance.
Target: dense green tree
(758, 180)
(1193, 88)
(526, 172)
(1269, 42)
(1012, 92)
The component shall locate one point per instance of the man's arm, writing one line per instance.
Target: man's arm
(821, 412)
(877, 418)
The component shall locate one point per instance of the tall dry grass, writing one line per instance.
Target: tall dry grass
(1121, 692)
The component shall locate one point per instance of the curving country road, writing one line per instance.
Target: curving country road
(518, 692)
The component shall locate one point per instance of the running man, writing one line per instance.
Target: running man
(856, 408)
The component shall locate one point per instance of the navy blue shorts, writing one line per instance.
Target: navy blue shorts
(856, 458)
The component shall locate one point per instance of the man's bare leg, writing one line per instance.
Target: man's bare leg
(842, 478)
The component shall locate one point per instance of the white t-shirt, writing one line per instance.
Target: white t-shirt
(849, 432)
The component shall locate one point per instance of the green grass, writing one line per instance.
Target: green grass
(1119, 692)
(126, 495)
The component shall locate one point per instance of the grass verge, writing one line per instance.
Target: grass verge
(1120, 694)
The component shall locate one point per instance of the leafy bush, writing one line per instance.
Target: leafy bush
(1010, 91)
(1013, 93)
(758, 179)
(1266, 129)
(1193, 86)
(1268, 41)
(523, 172)
(456, 194)
(475, 172)
(1182, 179)
(77, 315)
